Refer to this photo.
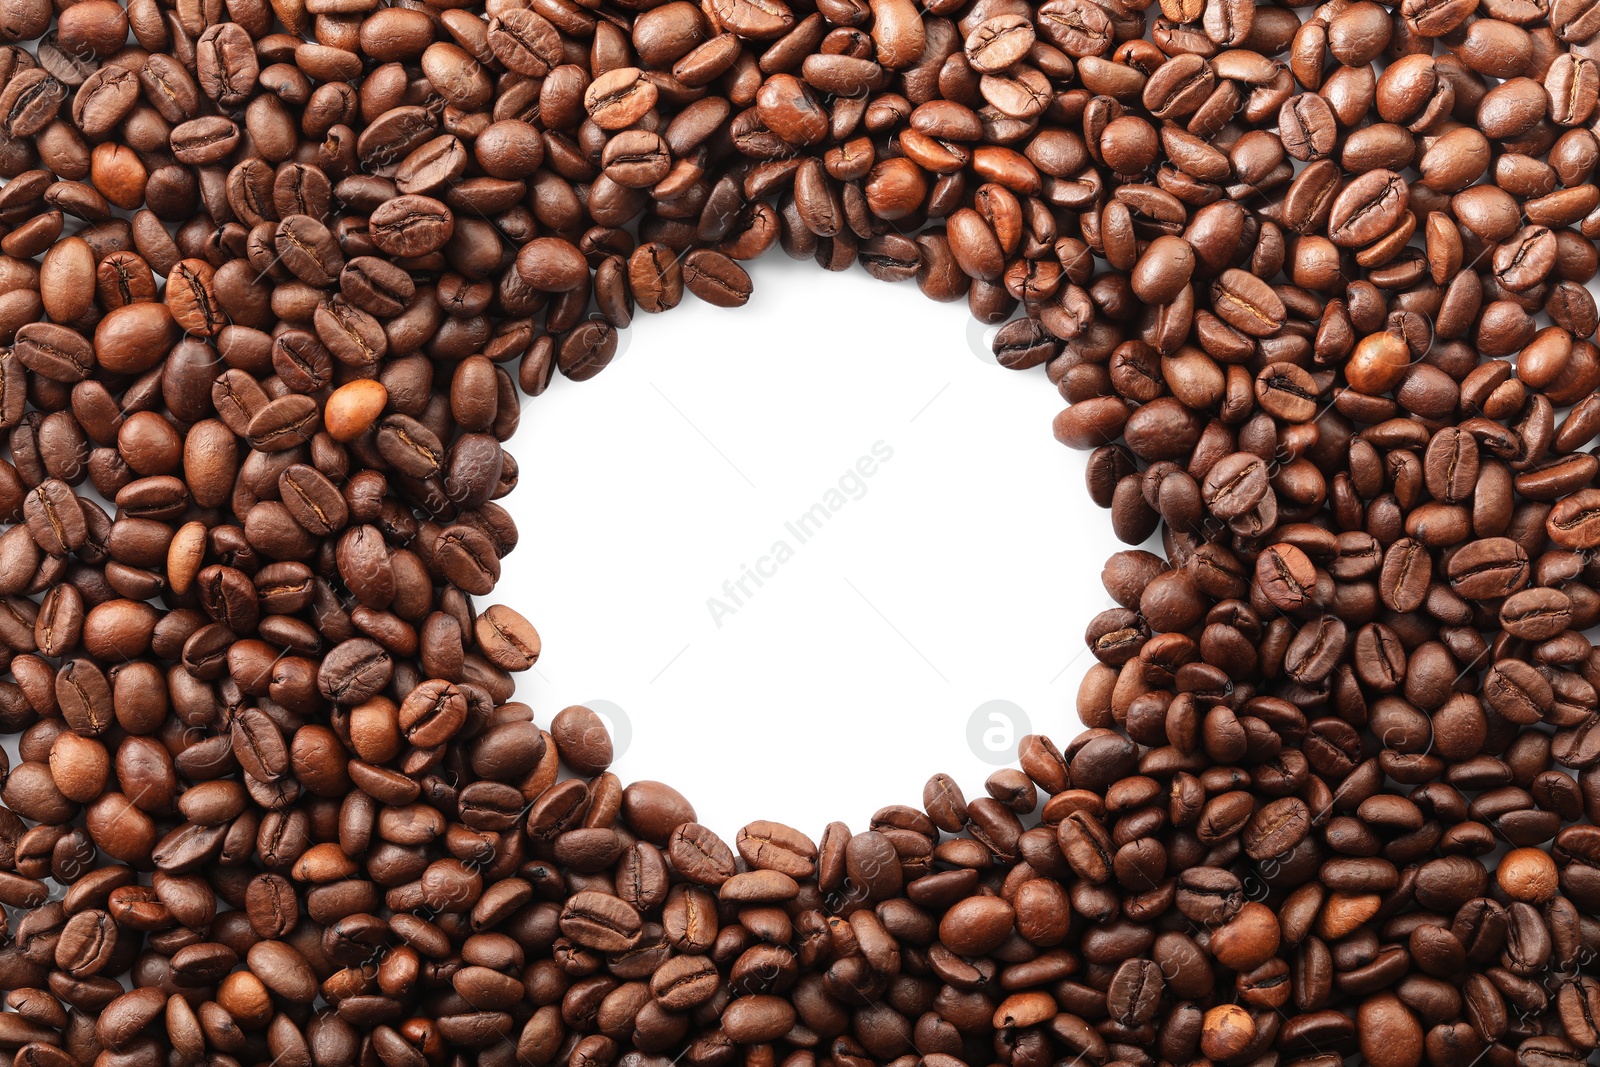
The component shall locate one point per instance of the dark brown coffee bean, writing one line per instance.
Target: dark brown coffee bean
(699, 855)
(1246, 303)
(716, 279)
(87, 943)
(54, 352)
(285, 423)
(1574, 522)
(1286, 576)
(1490, 568)
(655, 276)
(619, 98)
(411, 226)
(1368, 208)
(308, 250)
(602, 922)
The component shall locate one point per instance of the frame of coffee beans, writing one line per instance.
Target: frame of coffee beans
(1312, 279)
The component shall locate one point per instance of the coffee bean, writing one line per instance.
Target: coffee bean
(550, 264)
(507, 639)
(581, 738)
(308, 250)
(1286, 577)
(999, 42)
(699, 855)
(1574, 522)
(587, 350)
(1536, 614)
(1367, 208)
(54, 352)
(1228, 1031)
(716, 279)
(1490, 568)
(1277, 828)
(656, 277)
(684, 982)
(619, 98)
(87, 943)
(1247, 304)
(285, 423)
(411, 225)
(596, 920)
(1287, 392)
(1135, 992)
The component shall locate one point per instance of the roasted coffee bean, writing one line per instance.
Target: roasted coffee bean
(1368, 208)
(1247, 304)
(411, 225)
(715, 278)
(308, 251)
(601, 922)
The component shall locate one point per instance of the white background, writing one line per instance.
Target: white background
(964, 573)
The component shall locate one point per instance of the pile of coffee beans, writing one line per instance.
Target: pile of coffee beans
(275, 275)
